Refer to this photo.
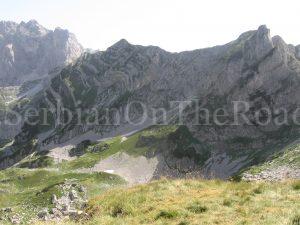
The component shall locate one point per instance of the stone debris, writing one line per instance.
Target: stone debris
(7, 214)
(43, 214)
(274, 174)
(16, 219)
(69, 205)
(6, 210)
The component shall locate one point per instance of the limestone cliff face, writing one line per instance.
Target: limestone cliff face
(256, 68)
(29, 51)
(253, 63)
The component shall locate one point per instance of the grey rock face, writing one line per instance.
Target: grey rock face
(258, 46)
(298, 52)
(29, 51)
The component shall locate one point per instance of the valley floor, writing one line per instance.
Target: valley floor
(197, 202)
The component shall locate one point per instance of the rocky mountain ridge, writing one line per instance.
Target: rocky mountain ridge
(258, 69)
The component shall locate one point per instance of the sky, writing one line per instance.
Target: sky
(174, 25)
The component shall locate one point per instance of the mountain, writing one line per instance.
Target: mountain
(133, 114)
(28, 51)
(252, 73)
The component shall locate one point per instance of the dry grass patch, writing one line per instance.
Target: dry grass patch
(197, 202)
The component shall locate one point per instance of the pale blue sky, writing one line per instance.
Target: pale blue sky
(174, 25)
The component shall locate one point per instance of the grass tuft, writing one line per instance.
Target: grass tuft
(227, 202)
(197, 207)
(296, 220)
(296, 185)
(167, 214)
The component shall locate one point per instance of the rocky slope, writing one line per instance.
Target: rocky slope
(261, 70)
(281, 166)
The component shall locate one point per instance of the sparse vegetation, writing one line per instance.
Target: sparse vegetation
(37, 162)
(176, 139)
(27, 191)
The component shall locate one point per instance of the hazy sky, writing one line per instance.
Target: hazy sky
(174, 25)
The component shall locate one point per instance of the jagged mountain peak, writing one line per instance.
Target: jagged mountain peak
(32, 27)
(258, 46)
(29, 51)
(30, 23)
(263, 29)
(7, 27)
(33, 22)
(121, 44)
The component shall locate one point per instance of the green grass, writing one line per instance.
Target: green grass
(296, 185)
(89, 159)
(196, 202)
(28, 191)
(130, 146)
(148, 141)
(36, 162)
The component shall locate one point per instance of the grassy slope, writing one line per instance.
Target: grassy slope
(147, 141)
(129, 146)
(288, 157)
(198, 202)
(28, 191)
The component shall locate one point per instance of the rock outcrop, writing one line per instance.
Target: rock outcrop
(70, 205)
